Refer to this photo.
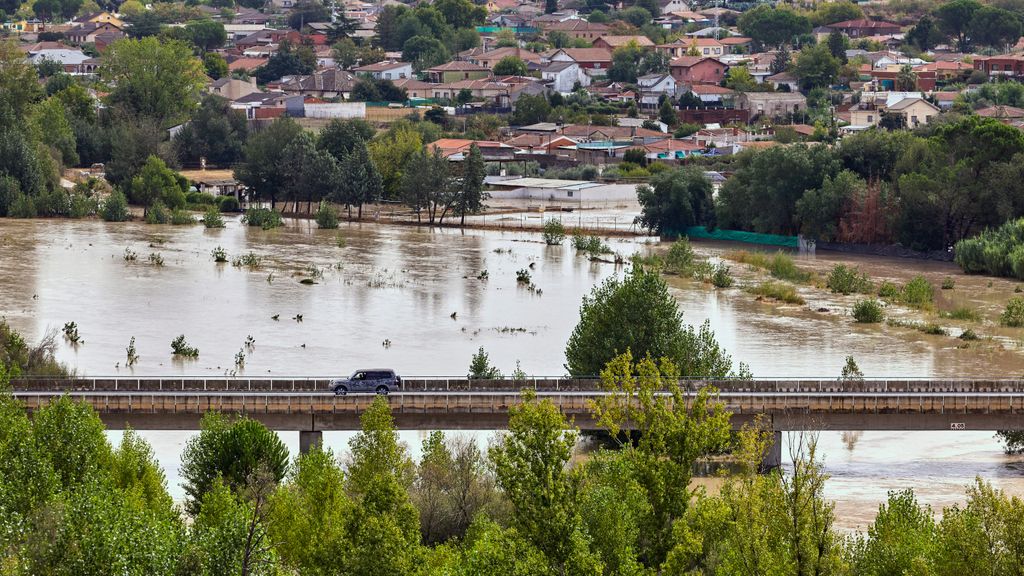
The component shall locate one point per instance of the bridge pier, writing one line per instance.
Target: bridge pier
(773, 455)
(308, 439)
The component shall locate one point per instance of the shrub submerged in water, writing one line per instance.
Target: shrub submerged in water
(1013, 315)
(998, 251)
(265, 218)
(867, 312)
(848, 280)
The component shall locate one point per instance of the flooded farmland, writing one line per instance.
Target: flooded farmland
(421, 301)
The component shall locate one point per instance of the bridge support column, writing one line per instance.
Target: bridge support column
(309, 439)
(773, 455)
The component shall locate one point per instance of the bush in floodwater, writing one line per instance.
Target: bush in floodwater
(948, 283)
(888, 290)
(1013, 315)
(783, 267)
(847, 280)
(326, 216)
(181, 348)
(554, 232)
(962, 313)
(22, 207)
(212, 218)
(917, 293)
(156, 259)
(265, 218)
(968, 335)
(249, 260)
(219, 254)
(523, 276)
(998, 251)
(157, 214)
(867, 312)
(115, 208)
(721, 278)
(82, 206)
(680, 258)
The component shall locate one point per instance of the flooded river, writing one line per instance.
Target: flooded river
(418, 301)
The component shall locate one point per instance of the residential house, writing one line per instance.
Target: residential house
(639, 123)
(457, 70)
(653, 86)
(246, 64)
(100, 17)
(712, 94)
(864, 27)
(233, 88)
(564, 76)
(708, 47)
(267, 105)
(588, 133)
(595, 61)
(491, 58)
(578, 28)
(671, 149)
(946, 71)
(532, 143)
(612, 42)
(386, 70)
(691, 70)
(945, 100)
(771, 103)
(69, 58)
(1005, 65)
(326, 83)
(486, 89)
(916, 111)
(736, 44)
(86, 33)
(691, 17)
(783, 79)
(670, 6)
(456, 149)
(1001, 112)
(415, 88)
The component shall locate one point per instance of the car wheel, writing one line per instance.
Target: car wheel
(340, 391)
(382, 390)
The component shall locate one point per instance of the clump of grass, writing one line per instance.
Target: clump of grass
(157, 214)
(314, 272)
(847, 280)
(181, 218)
(156, 259)
(961, 313)
(130, 255)
(523, 276)
(969, 335)
(181, 348)
(934, 329)
(339, 241)
(1013, 315)
(917, 293)
(250, 260)
(948, 283)
(483, 275)
(777, 291)
(888, 290)
(554, 232)
(240, 359)
(592, 245)
(780, 265)
(219, 255)
(133, 355)
(923, 327)
(868, 312)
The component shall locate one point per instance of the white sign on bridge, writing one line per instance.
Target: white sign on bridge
(957, 426)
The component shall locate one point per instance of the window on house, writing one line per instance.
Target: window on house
(871, 118)
(913, 119)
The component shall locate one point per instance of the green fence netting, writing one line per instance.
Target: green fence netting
(740, 236)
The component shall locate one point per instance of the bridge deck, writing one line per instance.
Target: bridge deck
(306, 404)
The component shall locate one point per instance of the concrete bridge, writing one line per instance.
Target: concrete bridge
(306, 405)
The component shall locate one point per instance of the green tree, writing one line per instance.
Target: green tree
(984, 535)
(995, 27)
(773, 26)
(309, 515)
(924, 35)
(425, 52)
(157, 183)
(667, 113)
(206, 35)
(480, 367)
(306, 12)
(471, 196)
(217, 132)
(638, 314)
(310, 174)
(289, 60)
(837, 46)
(19, 86)
(362, 183)
(899, 541)
(954, 19)
(461, 13)
(676, 200)
(832, 12)
(229, 535)
(530, 466)
(262, 169)
(530, 110)
(159, 80)
(672, 432)
(816, 67)
(50, 125)
(427, 184)
(240, 454)
(215, 65)
(510, 66)
(819, 210)
(384, 527)
(390, 153)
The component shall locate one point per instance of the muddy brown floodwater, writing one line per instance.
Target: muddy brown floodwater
(413, 299)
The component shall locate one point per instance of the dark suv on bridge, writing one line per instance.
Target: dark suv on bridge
(379, 381)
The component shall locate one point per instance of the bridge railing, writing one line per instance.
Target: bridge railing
(554, 384)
